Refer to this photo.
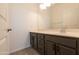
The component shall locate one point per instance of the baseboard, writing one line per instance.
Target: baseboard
(19, 49)
(4, 53)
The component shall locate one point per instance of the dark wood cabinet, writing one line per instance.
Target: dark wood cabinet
(41, 44)
(54, 44)
(62, 50)
(33, 40)
(50, 48)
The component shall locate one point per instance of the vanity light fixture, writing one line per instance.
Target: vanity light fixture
(47, 4)
(44, 6)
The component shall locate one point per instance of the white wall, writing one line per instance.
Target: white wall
(44, 18)
(23, 19)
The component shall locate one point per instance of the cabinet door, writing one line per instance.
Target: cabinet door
(41, 46)
(49, 48)
(61, 50)
(33, 41)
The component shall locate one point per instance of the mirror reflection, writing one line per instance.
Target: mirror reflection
(59, 16)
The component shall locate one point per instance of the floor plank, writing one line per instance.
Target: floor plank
(26, 51)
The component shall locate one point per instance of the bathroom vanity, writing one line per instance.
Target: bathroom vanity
(55, 43)
(54, 40)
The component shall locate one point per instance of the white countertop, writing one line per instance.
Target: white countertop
(67, 33)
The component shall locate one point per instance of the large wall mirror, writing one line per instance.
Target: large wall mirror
(60, 15)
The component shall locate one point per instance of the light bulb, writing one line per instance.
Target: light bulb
(42, 6)
(47, 4)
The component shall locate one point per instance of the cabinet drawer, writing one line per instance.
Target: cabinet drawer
(65, 50)
(40, 36)
(71, 42)
(33, 34)
(49, 48)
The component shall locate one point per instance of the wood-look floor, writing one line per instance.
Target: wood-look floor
(27, 51)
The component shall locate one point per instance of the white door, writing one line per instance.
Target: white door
(3, 35)
(4, 25)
